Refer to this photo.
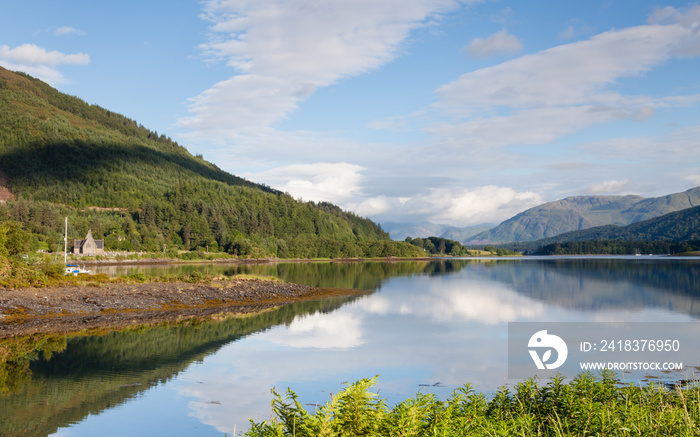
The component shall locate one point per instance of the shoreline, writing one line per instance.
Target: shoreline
(159, 261)
(172, 261)
(117, 305)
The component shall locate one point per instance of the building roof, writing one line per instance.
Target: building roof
(99, 244)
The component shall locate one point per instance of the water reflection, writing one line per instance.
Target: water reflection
(91, 374)
(438, 323)
(362, 275)
(591, 284)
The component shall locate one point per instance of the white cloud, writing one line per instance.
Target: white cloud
(284, 50)
(665, 15)
(538, 99)
(531, 126)
(479, 205)
(66, 30)
(513, 121)
(694, 180)
(499, 43)
(31, 54)
(243, 104)
(635, 159)
(567, 33)
(661, 152)
(484, 302)
(574, 30)
(644, 113)
(610, 187)
(456, 206)
(320, 331)
(332, 182)
(377, 304)
(570, 74)
(376, 206)
(38, 62)
(688, 17)
(475, 300)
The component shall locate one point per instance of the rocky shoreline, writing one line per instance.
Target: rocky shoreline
(114, 305)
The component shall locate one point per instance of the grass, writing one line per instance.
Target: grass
(252, 277)
(586, 406)
(691, 253)
(43, 273)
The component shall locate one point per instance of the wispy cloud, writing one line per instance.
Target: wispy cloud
(66, 30)
(571, 74)
(610, 187)
(511, 122)
(567, 33)
(657, 155)
(282, 51)
(540, 98)
(499, 43)
(39, 62)
(575, 29)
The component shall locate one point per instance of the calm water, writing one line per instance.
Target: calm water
(428, 326)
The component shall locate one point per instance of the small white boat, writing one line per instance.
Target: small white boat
(75, 270)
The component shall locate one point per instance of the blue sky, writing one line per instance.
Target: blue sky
(456, 112)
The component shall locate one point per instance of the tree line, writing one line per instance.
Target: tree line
(619, 247)
(244, 230)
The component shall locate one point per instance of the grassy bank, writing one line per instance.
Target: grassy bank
(587, 405)
(18, 274)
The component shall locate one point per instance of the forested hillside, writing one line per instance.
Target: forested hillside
(60, 156)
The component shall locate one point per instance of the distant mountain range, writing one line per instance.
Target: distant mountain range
(553, 219)
(676, 226)
(399, 231)
(583, 212)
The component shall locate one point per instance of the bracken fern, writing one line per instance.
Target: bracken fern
(585, 406)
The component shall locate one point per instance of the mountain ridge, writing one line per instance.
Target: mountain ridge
(583, 212)
(400, 230)
(676, 227)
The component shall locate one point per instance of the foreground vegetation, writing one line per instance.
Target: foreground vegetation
(585, 406)
(45, 273)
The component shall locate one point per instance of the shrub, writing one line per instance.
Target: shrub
(585, 406)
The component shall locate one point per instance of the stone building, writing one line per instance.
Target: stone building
(89, 246)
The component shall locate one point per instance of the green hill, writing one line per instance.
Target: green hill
(680, 227)
(583, 212)
(142, 191)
